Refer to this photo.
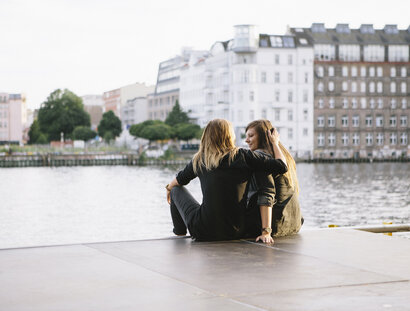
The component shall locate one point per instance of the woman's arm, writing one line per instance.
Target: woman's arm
(171, 185)
(276, 149)
(182, 178)
(266, 218)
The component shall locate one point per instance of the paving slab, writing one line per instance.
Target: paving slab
(314, 270)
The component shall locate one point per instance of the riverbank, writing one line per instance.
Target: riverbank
(314, 270)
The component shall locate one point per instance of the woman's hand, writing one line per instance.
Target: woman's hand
(275, 136)
(168, 196)
(265, 238)
(171, 185)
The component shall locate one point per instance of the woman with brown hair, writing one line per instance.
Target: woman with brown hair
(276, 195)
(224, 171)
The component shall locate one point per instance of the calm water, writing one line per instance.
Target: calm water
(49, 206)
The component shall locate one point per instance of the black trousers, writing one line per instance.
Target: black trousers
(184, 209)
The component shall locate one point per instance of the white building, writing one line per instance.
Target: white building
(13, 117)
(135, 111)
(254, 76)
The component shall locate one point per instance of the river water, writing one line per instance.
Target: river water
(68, 205)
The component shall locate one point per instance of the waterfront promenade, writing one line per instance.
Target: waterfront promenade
(323, 269)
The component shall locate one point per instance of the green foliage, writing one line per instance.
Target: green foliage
(42, 139)
(136, 129)
(187, 131)
(108, 136)
(109, 123)
(83, 133)
(34, 132)
(61, 113)
(158, 131)
(177, 116)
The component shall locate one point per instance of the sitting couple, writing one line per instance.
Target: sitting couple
(246, 193)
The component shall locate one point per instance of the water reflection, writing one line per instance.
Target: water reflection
(48, 206)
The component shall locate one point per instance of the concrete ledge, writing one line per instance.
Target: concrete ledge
(314, 270)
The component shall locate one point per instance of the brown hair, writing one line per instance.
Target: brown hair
(262, 128)
(218, 140)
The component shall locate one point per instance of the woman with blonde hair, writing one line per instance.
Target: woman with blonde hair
(223, 171)
(276, 195)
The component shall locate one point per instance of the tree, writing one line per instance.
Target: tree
(136, 129)
(83, 133)
(109, 123)
(61, 113)
(34, 132)
(187, 131)
(158, 131)
(177, 116)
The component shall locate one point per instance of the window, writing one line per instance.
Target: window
(290, 77)
(403, 72)
(321, 103)
(344, 86)
(403, 139)
(362, 71)
(372, 103)
(264, 115)
(251, 96)
(277, 77)
(398, 53)
(393, 87)
(372, 72)
(369, 139)
(251, 115)
(320, 87)
(277, 95)
(393, 139)
(290, 115)
(393, 104)
(240, 115)
(321, 121)
(379, 71)
(345, 103)
(240, 96)
(331, 86)
(379, 87)
(320, 71)
(380, 103)
(363, 87)
(331, 139)
(263, 77)
(290, 133)
(356, 139)
(393, 121)
(344, 71)
(404, 103)
(345, 121)
(349, 52)
(379, 139)
(355, 121)
(354, 71)
(392, 72)
(290, 59)
(369, 121)
(331, 121)
(373, 53)
(277, 59)
(305, 132)
(403, 121)
(345, 139)
(277, 115)
(363, 103)
(320, 139)
(305, 96)
(403, 87)
(325, 51)
(379, 121)
(331, 71)
(332, 103)
(306, 77)
(305, 114)
(354, 103)
(371, 87)
(290, 96)
(354, 87)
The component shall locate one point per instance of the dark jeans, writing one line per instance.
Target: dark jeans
(183, 210)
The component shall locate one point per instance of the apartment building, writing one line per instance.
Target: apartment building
(361, 90)
(134, 111)
(94, 105)
(254, 76)
(13, 117)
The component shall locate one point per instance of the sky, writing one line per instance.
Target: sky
(93, 46)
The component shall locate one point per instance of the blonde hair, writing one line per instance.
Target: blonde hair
(262, 128)
(218, 140)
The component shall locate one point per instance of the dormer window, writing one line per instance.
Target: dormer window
(318, 27)
(367, 29)
(342, 28)
(391, 29)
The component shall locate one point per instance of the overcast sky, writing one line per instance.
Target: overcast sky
(92, 46)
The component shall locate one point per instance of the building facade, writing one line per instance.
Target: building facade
(255, 76)
(134, 111)
(361, 90)
(94, 105)
(13, 118)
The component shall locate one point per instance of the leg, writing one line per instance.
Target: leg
(183, 209)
